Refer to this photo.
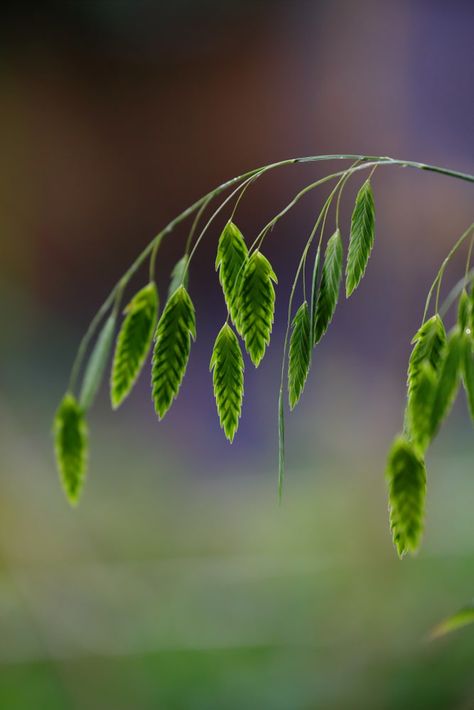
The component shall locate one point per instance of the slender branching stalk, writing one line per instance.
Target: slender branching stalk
(440, 361)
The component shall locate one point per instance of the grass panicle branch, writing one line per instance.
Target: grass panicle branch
(438, 362)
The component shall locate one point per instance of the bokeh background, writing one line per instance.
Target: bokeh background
(179, 582)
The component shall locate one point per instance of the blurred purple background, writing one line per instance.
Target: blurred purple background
(115, 116)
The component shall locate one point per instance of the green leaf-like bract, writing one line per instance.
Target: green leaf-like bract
(227, 365)
(231, 257)
(448, 380)
(70, 443)
(329, 287)
(468, 372)
(257, 305)
(179, 276)
(300, 354)
(171, 351)
(464, 310)
(362, 237)
(133, 342)
(423, 369)
(406, 477)
(97, 363)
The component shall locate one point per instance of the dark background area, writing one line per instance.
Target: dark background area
(178, 582)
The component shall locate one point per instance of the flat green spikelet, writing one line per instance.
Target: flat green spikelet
(174, 331)
(133, 342)
(315, 289)
(362, 237)
(448, 380)
(464, 310)
(420, 407)
(329, 287)
(406, 476)
(429, 342)
(300, 354)
(257, 305)
(423, 370)
(231, 257)
(71, 443)
(227, 365)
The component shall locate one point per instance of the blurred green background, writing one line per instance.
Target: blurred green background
(179, 582)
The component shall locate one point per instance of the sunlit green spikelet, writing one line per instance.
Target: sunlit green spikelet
(329, 287)
(361, 238)
(406, 477)
(423, 371)
(230, 260)
(300, 354)
(429, 342)
(437, 363)
(421, 407)
(70, 442)
(227, 366)
(257, 305)
(448, 381)
(133, 342)
(174, 331)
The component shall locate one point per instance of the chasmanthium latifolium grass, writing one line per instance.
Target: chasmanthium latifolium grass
(440, 361)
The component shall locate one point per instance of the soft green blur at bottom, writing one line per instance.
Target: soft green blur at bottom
(165, 589)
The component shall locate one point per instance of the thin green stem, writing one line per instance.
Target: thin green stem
(154, 252)
(439, 276)
(242, 193)
(303, 278)
(257, 243)
(194, 226)
(269, 226)
(455, 292)
(323, 223)
(469, 254)
(281, 448)
(438, 290)
(118, 299)
(322, 216)
(432, 169)
(338, 203)
(372, 172)
(87, 338)
(211, 220)
(136, 265)
(340, 186)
